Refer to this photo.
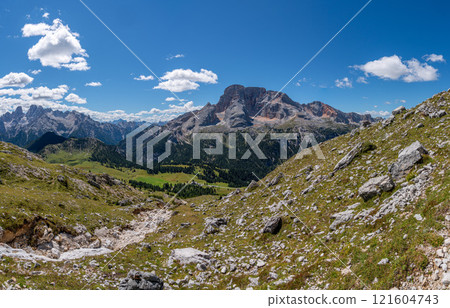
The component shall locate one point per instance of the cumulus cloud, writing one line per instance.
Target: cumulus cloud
(35, 72)
(177, 85)
(8, 104)
(58, 47)
(177, 56)
(380, 113)
(73, 98)
(361, 79)
(180, 80)
(46, 15)
(343, 83)
(17, 80)
(78, 64)
(93, 84)
(434, 58)
(170, 99)
(420, 72)
(40, 93)
(144, 78)
(394, 68)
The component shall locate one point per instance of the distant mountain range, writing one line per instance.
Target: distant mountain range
(247, 109)
(23, 128)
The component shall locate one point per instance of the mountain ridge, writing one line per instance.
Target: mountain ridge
(242, 107)
(22, 128)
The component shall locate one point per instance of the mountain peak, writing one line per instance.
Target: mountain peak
(241, 106)
(21, 129)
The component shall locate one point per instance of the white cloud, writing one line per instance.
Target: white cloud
(420, 72)
(361, 79)
(78, 64)
(73, 98)
(177, 85)
(57, 46)
(40, 93)
(177, 56)
(386, 68)
(170, 99)
(343, 83)
(180, 80)
(8, 104)
(144, 78)
(394, 68)
(397, 101)
(375, 113)
(46, 15)
(434, 58)
(17, 80)
(35, 72)
(300, 82)
(93, 84)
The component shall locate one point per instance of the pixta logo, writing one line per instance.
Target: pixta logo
(308, 144)
(143, 140)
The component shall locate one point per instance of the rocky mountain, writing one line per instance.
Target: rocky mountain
(23, 128)
(253, 110)
(243, 107)
(372, 213)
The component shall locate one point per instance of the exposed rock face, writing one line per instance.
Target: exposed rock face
(341, 218)
(273, 225)
(141, 281)
(188, 256)
(446, 279)
(276, 179)
(407, 158)
(241, 107)
(405, 195)
(212, 225)
(398, 110)
(347, 159)
(252, 185)
(22, 128)
(375, 186)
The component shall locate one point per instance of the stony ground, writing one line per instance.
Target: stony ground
(374, 214)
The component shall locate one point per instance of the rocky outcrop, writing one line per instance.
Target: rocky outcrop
(398, 110)
(375, 186)
(188, 256)
(141, 281)
(405, 195)
(340, 218)
(407, 158)
(276, 179)
(213, 225)
(347, 159)
(253, 185)
(273, 225)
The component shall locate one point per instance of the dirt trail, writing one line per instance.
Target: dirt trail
(111, 240)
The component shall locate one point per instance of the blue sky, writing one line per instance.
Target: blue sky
(393, 53)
